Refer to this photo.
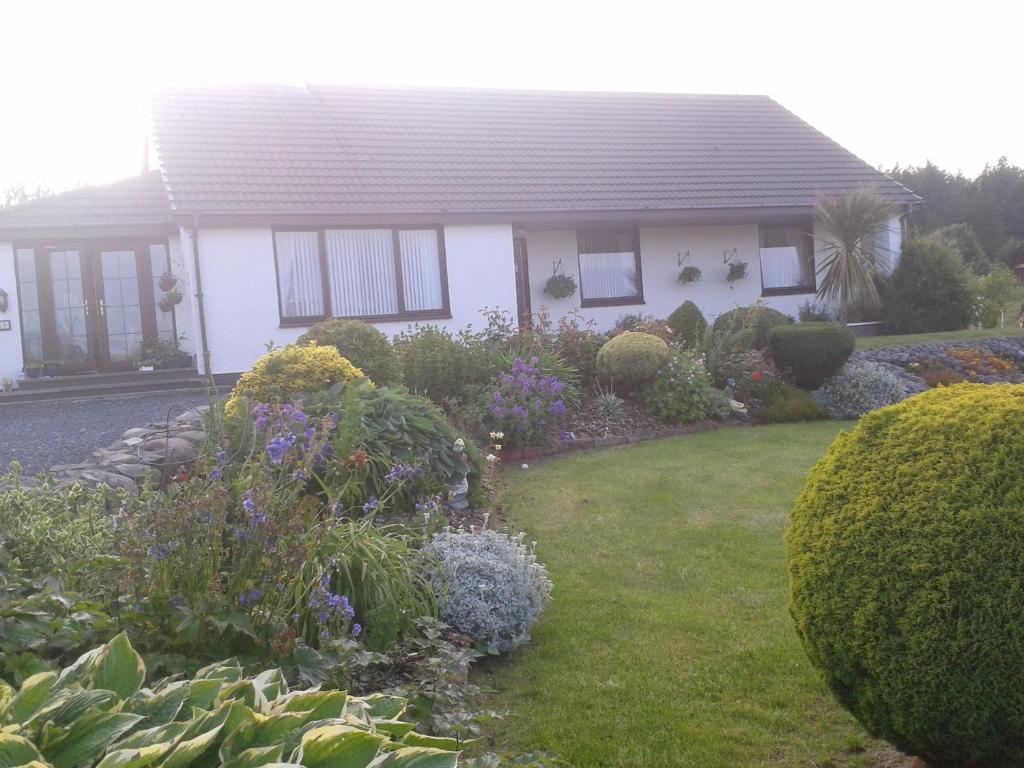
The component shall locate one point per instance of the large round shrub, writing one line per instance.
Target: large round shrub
(752, 323)
(687, 324)
(810, 352)
(362, 344)
(283, 373)
(632, 359)
(930, 289)
(490, 586)
(907, 587)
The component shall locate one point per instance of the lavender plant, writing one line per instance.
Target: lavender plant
(859, 387)
(525, 404)
(490, 585)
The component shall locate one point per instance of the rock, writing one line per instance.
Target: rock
(195, 437)
(140, 473)
(134, 432)
(174, 449)
(94, 477)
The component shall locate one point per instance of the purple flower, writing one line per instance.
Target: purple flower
(357, 629)
(255, 594)
(371, 504)
(278, 447)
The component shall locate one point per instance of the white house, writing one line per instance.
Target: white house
(277, 207)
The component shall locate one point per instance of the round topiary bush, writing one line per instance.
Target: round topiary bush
(362, 344)
(905, 557)
(810, 352)
(632, 359)
(687, 324)
(755, 322)
(283, 373)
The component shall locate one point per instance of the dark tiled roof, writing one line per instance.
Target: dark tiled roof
(330, 150)
(138, 201)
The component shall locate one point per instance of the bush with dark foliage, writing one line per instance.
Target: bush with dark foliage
(810, 352)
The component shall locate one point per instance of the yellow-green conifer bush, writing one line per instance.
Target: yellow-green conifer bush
(906, 558)
(283, 373)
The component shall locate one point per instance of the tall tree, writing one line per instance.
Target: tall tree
(852, 223)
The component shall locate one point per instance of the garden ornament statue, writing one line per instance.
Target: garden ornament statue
(458, 482)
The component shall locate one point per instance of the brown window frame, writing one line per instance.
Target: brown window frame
(806, 228)
(444, 313)
(612, 301)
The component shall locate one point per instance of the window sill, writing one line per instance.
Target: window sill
(795, 291)
(409, 317)
(627, 301)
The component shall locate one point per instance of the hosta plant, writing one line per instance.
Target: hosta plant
(97, 712)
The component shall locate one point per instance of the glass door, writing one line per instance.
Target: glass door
(88, 306)
(72, 345)
(120, 307)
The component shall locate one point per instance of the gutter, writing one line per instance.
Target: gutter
(199, 300)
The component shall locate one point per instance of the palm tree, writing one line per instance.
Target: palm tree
(850, 260)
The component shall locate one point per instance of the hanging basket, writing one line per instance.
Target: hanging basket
(560, 286)
(170, 300)
(689, 275)
(737, 271)
(167, 282)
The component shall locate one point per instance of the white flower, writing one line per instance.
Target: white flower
(491, 458)
(497, 435)
(497, 446)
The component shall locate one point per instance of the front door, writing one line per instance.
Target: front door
(88, 306)
(523, 308)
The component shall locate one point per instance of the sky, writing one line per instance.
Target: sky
(894, 82)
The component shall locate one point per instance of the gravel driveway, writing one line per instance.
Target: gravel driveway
(41, 435)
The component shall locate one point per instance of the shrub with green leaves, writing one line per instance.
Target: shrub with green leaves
(810, 352)
(859, 387)
(687, 324)
(431, 362)
(752, 324)
(904, 554)
(393, 426)
(632, 360)
(682, 391)
(930, 289)
(97, 712)
(782, 403)
(363, 345)
(49, 528)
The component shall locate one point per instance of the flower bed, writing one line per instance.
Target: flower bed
(986, 361)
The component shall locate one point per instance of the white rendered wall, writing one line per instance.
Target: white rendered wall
(11, 361)
(660, 250)
(240, 288)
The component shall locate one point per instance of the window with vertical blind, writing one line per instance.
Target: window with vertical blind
(371, 273)
(609, 262)
(787, 259)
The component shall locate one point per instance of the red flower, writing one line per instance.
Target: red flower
(757, 375)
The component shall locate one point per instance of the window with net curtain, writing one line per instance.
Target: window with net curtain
(787, 259)
(365, 278)
(609, 266)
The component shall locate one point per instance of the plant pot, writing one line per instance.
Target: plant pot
(51, 369)
(33, 373)
(184, 360)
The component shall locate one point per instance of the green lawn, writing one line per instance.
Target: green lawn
(971, 334)
(668, 642)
